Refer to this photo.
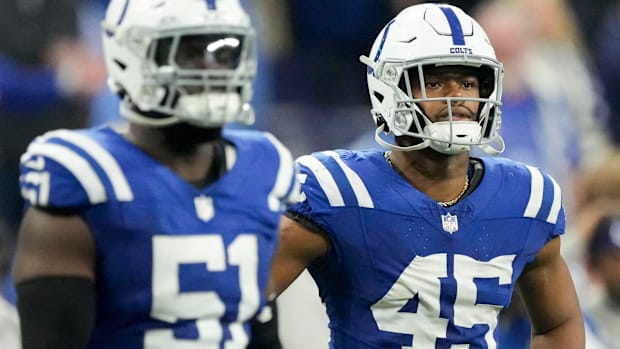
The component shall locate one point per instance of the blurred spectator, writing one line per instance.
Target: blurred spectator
(606, 51)
(45, 75)
(598, 204)
(597, 195)
(603, 258)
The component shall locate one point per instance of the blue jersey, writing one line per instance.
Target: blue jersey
(176, 266)
(405, 272)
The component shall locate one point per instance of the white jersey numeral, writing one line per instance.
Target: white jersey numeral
(421, 278)
(170, 305)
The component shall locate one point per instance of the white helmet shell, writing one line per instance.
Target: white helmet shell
(423, 36)
(157, 94)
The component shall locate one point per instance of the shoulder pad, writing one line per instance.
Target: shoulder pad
(326, 177)
(286, 187)
(545, 197)
(68, 169)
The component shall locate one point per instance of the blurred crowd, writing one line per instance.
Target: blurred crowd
(561, 111)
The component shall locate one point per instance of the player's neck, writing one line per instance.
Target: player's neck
(190, 156)
(441, 177)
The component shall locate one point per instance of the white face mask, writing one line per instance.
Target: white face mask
(464, 134)
(209, 109)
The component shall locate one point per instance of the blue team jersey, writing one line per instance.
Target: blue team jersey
(405, 272)
(176, 266)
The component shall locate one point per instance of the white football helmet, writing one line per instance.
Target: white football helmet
(420, 37)
(177, 61)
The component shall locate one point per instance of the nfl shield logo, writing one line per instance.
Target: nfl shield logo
(204, 207)
(450, 223)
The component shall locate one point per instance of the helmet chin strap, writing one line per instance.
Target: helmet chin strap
(393, 146)
(130, 114)
(489, 149)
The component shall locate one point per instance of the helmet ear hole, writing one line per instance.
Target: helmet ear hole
(379, 96)
(380, 121)
(486, 133)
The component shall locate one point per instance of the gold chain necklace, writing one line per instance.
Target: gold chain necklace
(388, 158)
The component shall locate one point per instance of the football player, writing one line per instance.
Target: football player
(159, 235)
(422, 245)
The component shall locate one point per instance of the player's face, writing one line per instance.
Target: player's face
(449, 81)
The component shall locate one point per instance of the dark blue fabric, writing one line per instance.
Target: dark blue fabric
(24, 90)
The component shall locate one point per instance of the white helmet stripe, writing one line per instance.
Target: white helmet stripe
(74, 163)
(325, 179)
(360, 190)
(110, 166)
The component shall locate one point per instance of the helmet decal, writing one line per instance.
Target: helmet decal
(455, 26)
(110, 32)
(211, 4)
(385, 34)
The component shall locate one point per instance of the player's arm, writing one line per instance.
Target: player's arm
(549, 295)
(54, 277)
(298, 246)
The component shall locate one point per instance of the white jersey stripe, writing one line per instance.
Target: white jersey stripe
(75, 164)
(325, 179)
(284, 177)
(536, 193)
(110, 166)
(557, 203)
(360, 190)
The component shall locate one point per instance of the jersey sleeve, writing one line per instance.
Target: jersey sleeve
(328, 184)
(536, 197)
(68, 170)
(544, 203)
(286, 188)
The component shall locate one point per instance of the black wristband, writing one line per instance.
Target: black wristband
(265, 333)
(56, 312)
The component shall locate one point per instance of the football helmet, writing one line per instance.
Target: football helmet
(427, 36)
(174, 61)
